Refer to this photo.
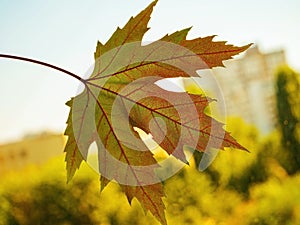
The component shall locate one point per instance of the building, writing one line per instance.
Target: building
(248, 86)
(32, 150)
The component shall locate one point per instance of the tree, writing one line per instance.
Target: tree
(288, 106)
(122, 95)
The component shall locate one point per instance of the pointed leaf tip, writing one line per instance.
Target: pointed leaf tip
(96, 109)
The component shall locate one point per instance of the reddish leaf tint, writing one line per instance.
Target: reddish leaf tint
(121, 94)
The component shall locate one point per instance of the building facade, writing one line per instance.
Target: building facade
(34, 150)
(248, 86)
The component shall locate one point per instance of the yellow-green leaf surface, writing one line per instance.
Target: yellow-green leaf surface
(122, 94)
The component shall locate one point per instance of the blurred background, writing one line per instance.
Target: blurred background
(261, 91)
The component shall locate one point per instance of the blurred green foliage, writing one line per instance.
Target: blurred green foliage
(239, 188)
(288, 108)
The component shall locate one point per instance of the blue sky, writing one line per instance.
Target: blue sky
(65, 33)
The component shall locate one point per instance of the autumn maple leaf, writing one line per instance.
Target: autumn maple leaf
(122, 94)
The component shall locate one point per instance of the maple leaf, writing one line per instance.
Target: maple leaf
(122, 93)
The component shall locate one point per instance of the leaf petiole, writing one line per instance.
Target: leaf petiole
(43, 64)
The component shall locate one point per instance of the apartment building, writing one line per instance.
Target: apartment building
(32, 150)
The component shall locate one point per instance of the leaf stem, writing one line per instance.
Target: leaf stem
(43, 64)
